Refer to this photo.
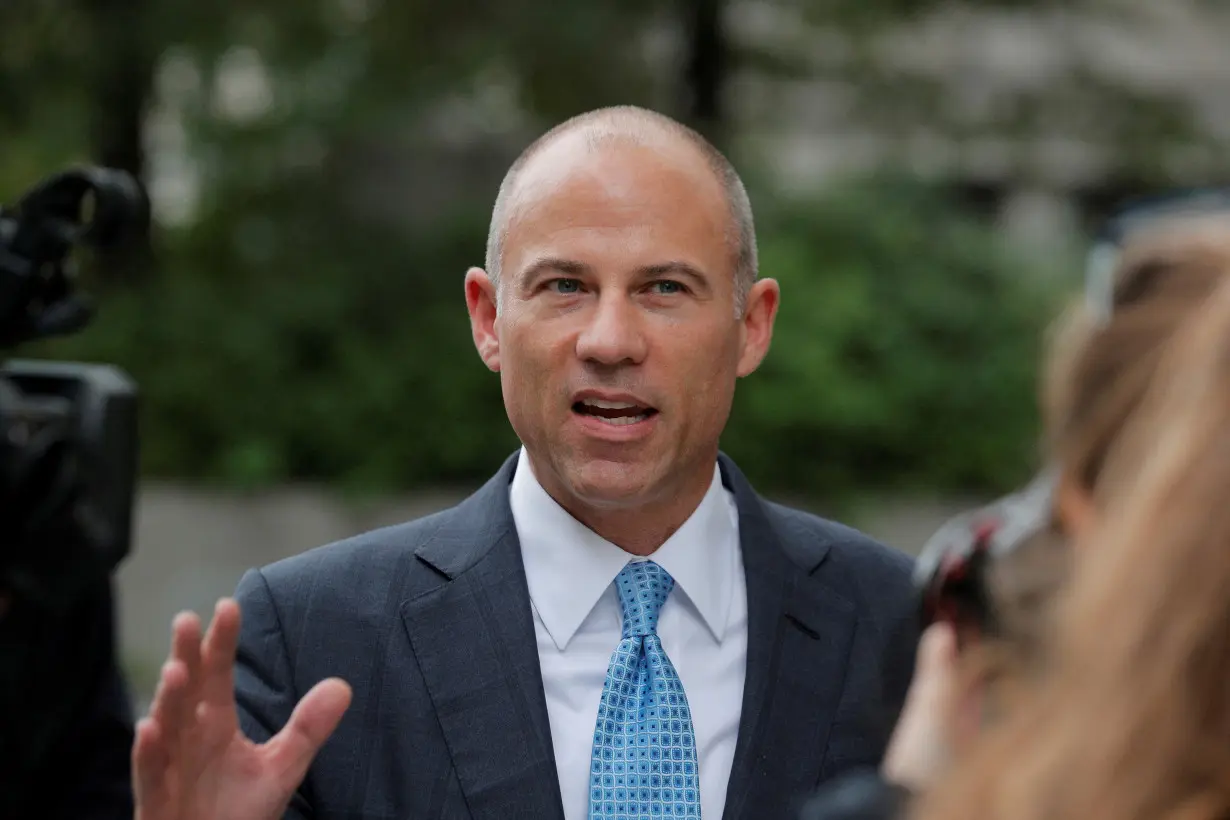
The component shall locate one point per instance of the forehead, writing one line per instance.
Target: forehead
(657, 195)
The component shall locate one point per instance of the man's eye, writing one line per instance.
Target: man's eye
(565, 285)
(668, 286)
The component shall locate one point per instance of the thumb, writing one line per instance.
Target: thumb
(315, 718)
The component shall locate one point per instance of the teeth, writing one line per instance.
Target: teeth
(620, 422)
(609, 405)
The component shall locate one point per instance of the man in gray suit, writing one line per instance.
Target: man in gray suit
(615, 624)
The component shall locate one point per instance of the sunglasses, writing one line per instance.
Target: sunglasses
(952, 573)
(1145, 212)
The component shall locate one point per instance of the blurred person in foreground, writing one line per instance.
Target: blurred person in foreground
(1133, 720)
(1097, 374)
(66, 728)
(616, 625)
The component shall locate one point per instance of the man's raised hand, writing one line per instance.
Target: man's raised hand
(191, 761)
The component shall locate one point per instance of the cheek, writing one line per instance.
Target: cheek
(529, 367)
(706, 384)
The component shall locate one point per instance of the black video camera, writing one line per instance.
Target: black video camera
(68, 430)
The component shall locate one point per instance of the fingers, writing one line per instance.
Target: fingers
(168, 705)
(167, 708)
(151, 760)
(174, 708)
(315, 718)
(186, 644)
(159, 736)
(218, 657)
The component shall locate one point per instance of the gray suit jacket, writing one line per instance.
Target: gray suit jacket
(430, 623)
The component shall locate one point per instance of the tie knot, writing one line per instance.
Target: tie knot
(643, 587)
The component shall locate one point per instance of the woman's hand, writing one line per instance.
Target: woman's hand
(921, 746)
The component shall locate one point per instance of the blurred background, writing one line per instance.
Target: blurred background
(926, 177)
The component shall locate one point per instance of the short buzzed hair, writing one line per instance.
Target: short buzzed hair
(630, 122)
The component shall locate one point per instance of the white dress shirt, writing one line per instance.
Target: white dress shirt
(578, 623)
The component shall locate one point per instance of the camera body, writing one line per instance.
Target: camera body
(68, 430)
(68, 454)
(952, 573)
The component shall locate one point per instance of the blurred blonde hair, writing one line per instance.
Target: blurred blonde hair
(1095, 377)
(1133, 720)
(1097, 371)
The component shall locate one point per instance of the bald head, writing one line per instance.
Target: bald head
(628, 125)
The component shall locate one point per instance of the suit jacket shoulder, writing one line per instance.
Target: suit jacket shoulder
(412, 616)
(377, 565)
(358, 566)
(873, 572)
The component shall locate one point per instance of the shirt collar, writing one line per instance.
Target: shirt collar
(568, 566)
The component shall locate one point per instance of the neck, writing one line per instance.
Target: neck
(642, 528)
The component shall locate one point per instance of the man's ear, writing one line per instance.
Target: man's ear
(481, 303)
(759, 314)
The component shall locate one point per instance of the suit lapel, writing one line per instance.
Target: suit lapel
(473, 637)
(798, 643)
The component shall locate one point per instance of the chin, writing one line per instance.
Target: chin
(611, 484)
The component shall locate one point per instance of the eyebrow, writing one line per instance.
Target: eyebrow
(555, 265)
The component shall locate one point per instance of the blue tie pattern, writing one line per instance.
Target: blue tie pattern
(644, 758)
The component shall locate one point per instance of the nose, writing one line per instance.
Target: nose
(613, 335)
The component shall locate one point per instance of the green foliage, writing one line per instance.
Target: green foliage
(904, 352)
(286, 337)
(335, 363)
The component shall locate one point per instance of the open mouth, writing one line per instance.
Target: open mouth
(616, 413)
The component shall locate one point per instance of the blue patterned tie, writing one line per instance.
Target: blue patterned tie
(644, 758)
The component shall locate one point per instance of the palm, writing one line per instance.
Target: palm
(192, 761)
(235, 784)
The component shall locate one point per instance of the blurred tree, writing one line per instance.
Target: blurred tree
(331, 166)
(122, 55)
(906, 348)
(1045, 87)
(707, 68)
(41, 47)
